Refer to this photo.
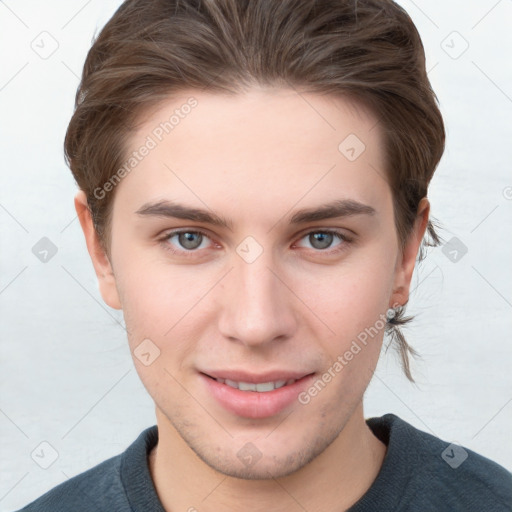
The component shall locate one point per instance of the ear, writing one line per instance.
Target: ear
(407, 260)
(100, 261)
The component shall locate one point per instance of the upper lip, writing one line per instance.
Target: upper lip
(243, 376)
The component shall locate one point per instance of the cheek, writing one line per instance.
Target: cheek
(351, 297)
(158, 307)
(353, 304)
(159, 301)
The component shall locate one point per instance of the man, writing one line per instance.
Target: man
(253, 193)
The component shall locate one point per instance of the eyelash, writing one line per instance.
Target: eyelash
(191, 253)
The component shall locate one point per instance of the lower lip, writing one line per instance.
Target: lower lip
(253, 404)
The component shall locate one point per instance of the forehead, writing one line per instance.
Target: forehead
(258, 151)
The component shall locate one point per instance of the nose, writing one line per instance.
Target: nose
(257, 305)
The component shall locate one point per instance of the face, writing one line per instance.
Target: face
(257, 292)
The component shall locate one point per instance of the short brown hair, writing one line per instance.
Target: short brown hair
(369, 50)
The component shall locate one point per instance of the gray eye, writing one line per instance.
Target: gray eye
(321, 240)
(190, 239)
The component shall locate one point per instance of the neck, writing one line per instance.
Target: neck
(333, 481)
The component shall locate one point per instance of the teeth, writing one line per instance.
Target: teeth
(261, 387)
(280, 383)
(246, 386)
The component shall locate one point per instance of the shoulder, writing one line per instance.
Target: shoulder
(101, 488)
(89, 490)
(440, 475)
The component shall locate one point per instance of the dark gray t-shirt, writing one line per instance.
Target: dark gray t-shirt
(420, 473)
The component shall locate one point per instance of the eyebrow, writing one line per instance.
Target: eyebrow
(335, 209)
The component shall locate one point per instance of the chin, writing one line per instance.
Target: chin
(264, 458)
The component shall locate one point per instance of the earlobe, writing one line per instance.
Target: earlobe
(407, 261)
(100, 261)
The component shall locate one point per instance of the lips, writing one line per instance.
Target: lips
(255, 396)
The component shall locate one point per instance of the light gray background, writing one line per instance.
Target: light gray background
(67, 377)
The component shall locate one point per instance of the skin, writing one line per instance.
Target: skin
(255, 159)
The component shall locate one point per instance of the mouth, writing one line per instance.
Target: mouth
(259, 387)
(255, 396)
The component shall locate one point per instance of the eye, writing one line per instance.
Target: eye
(321, 240)
(189, 241)
(186, 240)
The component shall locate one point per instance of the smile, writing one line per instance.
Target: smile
(261, 387)
(255, 396)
